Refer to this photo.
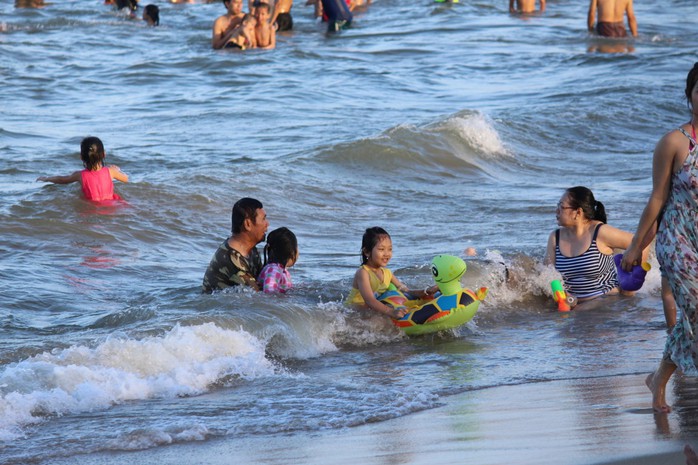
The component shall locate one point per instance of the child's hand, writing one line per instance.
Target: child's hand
(398, 313)
(431, 290)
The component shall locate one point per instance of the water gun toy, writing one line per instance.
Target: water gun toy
(634, 279)
(565, 303)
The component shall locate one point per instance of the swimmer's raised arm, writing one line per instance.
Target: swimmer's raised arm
(74, 177)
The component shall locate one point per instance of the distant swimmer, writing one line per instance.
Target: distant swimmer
(29, 4)
(96, 178)
(151, 15)
(244, 37)
(282, 15)
(525, 6)
(124, 5)
(224, 27)
(338, 14)
(265, 33)
(611, 14)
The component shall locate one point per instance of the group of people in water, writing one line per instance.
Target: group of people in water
(151, 12)
(257, 28)
(610, 15)
(581, 249)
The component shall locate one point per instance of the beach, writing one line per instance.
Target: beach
(453, 126)
(586, 421)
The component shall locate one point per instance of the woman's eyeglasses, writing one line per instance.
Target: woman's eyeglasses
(560, 206)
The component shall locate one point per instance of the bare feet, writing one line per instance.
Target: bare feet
(659, 404)
(691, 457)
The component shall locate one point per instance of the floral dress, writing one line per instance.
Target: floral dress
(677, 253)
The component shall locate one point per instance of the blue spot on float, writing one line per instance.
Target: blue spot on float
(447, 302)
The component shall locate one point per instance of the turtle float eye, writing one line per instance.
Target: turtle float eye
(434, 271)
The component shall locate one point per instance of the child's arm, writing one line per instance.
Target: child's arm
(74, 177)
(252, 39)
(363, 284)
(117, 174)
(429, 291)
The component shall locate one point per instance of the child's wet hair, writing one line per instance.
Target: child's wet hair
(91, 152)
(153, 13)
(262, 5)
(371, 238)
(281, 247)
(131, 4)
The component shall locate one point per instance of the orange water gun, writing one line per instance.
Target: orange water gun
(564, 302)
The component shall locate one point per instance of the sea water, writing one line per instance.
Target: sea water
(450, 125)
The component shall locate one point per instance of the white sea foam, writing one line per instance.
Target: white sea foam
(478, 132)
(185, 361)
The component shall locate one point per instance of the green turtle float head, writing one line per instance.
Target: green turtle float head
(447, 271)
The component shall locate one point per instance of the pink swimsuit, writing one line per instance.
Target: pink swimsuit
(98, 185)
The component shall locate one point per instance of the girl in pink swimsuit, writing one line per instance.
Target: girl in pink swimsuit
(95, 179)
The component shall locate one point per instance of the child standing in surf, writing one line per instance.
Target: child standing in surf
(373, 278)
(95, 179)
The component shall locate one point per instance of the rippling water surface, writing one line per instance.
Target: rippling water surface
(451, 125)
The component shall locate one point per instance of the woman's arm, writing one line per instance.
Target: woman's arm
(662, 167)
(550, 250)
(611, 238)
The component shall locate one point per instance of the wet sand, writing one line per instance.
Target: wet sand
(586, 421)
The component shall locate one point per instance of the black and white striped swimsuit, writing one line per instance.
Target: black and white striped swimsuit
(590, 274)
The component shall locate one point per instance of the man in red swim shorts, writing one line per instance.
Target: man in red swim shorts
(611, 14)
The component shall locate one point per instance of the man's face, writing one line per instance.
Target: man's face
(258, 228)
(235, 7)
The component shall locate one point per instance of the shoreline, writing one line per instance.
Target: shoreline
(584, 421)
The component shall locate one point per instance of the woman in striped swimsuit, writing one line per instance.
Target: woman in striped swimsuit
(582, 249)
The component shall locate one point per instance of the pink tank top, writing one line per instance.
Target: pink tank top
(98, 185)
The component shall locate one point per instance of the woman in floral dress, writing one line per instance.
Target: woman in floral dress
(674, 191)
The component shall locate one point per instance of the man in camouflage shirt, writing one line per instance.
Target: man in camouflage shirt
(237, 261)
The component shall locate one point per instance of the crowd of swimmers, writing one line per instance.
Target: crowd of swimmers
(257, 27)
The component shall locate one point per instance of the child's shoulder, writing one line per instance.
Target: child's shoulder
(272, 268)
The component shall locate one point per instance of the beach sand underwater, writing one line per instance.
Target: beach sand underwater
(449, 125)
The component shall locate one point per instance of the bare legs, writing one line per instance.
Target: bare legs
(656, 382)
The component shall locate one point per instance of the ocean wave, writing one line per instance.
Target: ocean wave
(467, 142)
(185, 361)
